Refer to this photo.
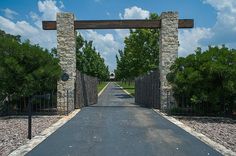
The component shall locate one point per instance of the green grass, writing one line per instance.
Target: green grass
(128, 87)
(101, 85)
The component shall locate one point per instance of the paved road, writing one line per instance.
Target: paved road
(117, 127)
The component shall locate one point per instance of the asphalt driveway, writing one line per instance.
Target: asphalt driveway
(117, 127)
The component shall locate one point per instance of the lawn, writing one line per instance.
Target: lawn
(128, 87)
(101, 85)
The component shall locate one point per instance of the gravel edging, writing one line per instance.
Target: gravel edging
(220, 148)
(30, 144)
(14, 130)
(221, 130)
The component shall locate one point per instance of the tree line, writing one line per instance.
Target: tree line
(26, 69)
(89, 60)
(140, 53)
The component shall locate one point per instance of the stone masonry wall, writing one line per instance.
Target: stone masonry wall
(66, 51)
(168, 53)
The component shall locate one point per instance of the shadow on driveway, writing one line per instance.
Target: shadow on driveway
(123, 96)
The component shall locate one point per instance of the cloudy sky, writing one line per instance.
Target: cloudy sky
(215, 21)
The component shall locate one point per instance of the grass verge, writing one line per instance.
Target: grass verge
(129, 87)
(101, 85)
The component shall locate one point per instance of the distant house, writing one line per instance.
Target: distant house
(112, 76)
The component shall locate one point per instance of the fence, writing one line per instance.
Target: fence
(147, 93)
(147, 90)
(86, 90)
(42, 103)
(85, 94)
(183, 106)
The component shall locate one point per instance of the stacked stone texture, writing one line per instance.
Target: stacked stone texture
(66, 51)
(168, 53)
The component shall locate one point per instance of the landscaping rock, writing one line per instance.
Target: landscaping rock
(220, 130)
(14, 131)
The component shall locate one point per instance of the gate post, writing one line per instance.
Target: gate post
(66, 44)
(168, 52)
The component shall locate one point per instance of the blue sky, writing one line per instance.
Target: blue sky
(215, 21)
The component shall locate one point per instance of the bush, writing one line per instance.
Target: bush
(25, 69)
(207, 79)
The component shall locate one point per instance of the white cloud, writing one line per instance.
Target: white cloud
(48, 8)
(225, 27)
(47, 11)
(122, 33)
(223, 4)
(190, 39)
(8, 13)
(61, 5)
(223, 32)
(134, 13)
(34, 16)
(19, 28)
(105, 44)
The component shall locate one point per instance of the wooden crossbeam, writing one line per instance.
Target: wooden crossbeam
(118, 24)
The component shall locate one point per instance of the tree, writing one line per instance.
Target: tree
(25, 68)
(89, 61)
(207, 79)
(140, 54)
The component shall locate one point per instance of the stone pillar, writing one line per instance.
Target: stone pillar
(66, 44)
(168, 52)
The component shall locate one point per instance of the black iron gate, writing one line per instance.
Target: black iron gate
(147, 90)
(85, 90)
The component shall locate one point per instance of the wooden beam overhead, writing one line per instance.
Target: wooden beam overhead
(118, 24)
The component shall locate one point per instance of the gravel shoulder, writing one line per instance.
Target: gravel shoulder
(13, 131)
(220, 130)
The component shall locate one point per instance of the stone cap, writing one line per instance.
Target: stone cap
(170, 14)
